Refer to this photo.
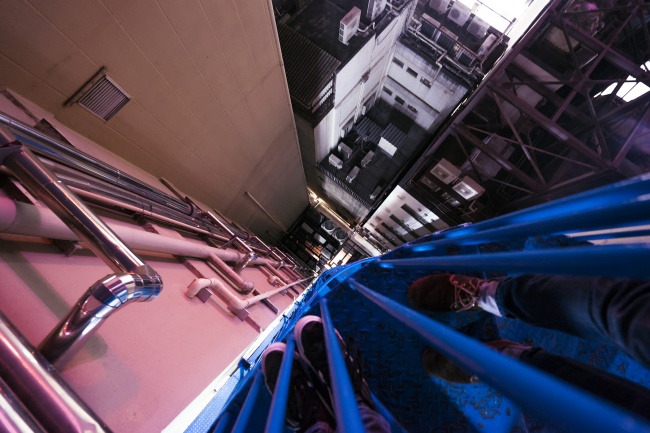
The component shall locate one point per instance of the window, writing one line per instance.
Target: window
(413, 109)
(411, 72)
(398, 62)
(425, 82)
(399, 100)
(387, 90)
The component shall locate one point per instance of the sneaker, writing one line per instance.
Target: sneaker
(310, 342)
(445, 292)
(437, 365)
(304, 406)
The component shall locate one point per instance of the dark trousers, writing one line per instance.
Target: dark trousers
(615, 309)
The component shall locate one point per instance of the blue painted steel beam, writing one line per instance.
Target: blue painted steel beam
(276, 420)
(247, 408)
(612, 235)
(623, 203)
(627, 261)
(539, 394)
(348, 419)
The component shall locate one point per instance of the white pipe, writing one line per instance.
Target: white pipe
(235, 302)
(244, 286)
(29, 220)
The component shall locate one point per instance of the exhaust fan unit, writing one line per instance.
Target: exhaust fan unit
(459, 13)
(445, 171)
(101, 96)
(349, 25)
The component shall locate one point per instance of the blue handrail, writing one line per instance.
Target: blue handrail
(552, 400)
(345, 402)
(275, 421)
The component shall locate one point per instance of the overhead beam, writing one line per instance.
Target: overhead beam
(467, 135)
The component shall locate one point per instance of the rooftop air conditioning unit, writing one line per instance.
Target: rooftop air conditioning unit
(345, 150)
(335, 161)
(349, 25)
(468, 188)
(459, 13)
(352, 174)
(375, 193)
(445, 171)
(478, 27)
(366, 159)
(439, 6)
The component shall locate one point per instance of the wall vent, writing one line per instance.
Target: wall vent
(101, 96)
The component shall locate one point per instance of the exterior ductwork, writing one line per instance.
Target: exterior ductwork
(100, 301)
(134, 280)
(75, 158)
(45, 394)
(14, 416)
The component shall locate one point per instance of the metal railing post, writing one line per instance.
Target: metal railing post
(345, 401)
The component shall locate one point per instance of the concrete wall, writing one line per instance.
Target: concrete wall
(150, 361)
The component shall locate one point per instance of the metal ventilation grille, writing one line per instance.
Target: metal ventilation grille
(104, 99)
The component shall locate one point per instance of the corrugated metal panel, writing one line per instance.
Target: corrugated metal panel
(369, 130)
(393, 135)
(309, 69)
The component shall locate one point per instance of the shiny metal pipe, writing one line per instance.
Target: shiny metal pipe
(67, 206)
(14, 417)
(241, 265)
(223, 227)
(101, 300)
(79, 159)
(48, 397)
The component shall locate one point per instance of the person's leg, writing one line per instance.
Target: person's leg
(609, 387)
(310, 344)
(306, 412)
(616, 309)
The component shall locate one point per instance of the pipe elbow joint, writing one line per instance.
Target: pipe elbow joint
(116, 290)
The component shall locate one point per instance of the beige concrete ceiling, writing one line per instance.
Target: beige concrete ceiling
(210, 110)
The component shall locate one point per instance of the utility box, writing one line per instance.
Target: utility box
(345, 150)
(335, 161)
(366, 159)
(352, 174)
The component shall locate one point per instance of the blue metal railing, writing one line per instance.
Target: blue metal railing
(625, 204)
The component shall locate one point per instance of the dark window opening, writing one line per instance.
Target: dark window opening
(399, 100)
(411, 72)
(398, 62)
(387, 90)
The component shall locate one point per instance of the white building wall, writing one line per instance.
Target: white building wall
(395, 205)
(429, 93)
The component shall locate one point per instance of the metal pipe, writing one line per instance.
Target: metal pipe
(223, 227)
(100, 301)
(346, 409)
(276, 273)
(263, 209)
(67, 206)
(76, 158)
(14, 417)
(29, 220)
(245, 261)
(244, 286)
(606, 260)
(552, 400)
(233, 300)
(278, 410)
(40, 388)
